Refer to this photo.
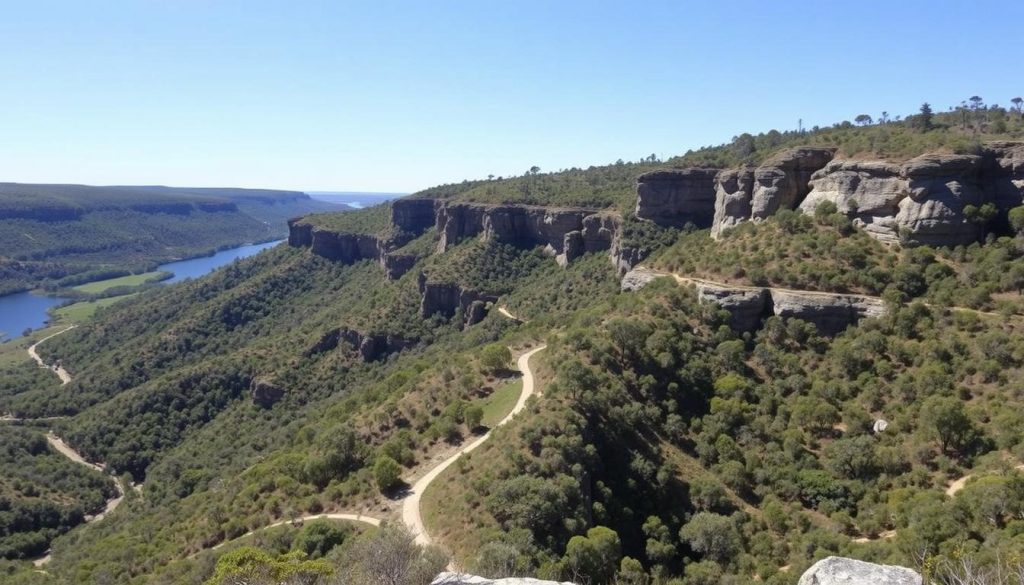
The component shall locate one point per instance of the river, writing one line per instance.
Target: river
(25, 310)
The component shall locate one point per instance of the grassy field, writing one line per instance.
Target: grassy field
(134, 280)
(500, 402)
(86, 309)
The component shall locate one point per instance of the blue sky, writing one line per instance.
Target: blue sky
(398, 96)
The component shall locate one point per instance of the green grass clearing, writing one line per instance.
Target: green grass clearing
(134, 280)
(79, 312)
(500, 402)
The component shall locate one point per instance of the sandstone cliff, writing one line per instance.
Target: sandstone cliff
(676, 197)
(921, 201)
(448, 298)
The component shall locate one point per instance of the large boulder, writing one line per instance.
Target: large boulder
(733, 190)
(676, 197)
(843, 571)
(782, 181)
(638, 278)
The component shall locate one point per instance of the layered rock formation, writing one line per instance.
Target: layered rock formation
(370, 346)
(566, 233)
(921, 201)
(447, 298)
(733, 191)
(843, 571)
(781, 182)
(676, 197)
(748, 306)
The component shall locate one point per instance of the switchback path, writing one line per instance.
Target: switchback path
(66, 450)
(412, 514)
(63, 374)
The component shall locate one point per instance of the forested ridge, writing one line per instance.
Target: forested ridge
(664, 446)
(59, 235)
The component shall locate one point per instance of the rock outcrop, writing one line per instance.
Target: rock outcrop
(843, 571)
(676, 197)
(830, 313)
(566, 233)
(782, 181)
(265, 393)
(733, 190)
(868, 191)
(370, 346)
(466, 579)
(939, 187)
(447, 298)
(413, 216)
(922, 201)
(748, 306)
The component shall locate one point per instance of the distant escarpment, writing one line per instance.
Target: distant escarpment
(370, 346)
(565, 233)
(935, 199)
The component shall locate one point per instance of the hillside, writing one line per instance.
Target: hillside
(57, 235)
(708, 392)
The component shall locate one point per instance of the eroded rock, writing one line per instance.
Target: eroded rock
(733, 190)
(843, 571)
(265, 393)
(830, 313)
(782, 181)
(868, 191)
(676, 197)
(746, 306)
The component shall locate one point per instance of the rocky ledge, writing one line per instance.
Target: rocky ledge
(448, 299)
(925, 200)
(370, 346)
(748, 306)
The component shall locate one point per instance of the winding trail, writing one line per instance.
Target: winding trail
(66, 450)
(958, 484)
(330, 516)
(63, 374)
(412, 514)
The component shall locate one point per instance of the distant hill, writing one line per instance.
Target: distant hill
(52, 233)
(357, 199)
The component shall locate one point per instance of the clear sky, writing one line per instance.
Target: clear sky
(378, 95)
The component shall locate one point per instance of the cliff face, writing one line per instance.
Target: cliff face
(566, 233)
(370, 346)
(447, 298)
(675, 197)
(921, 201)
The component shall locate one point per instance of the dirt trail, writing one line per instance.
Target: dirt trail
(958, 484)
(412, 514)
(66, 450)
(63, 374)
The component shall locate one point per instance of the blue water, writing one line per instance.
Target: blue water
(26, 310)
(196, 267)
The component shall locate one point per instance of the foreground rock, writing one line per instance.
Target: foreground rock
(466, 579)
(843, 571)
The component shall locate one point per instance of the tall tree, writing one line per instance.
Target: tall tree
(924, 119)
(863, 119)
